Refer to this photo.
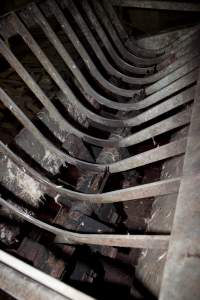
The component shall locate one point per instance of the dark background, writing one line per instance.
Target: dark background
(146, 21)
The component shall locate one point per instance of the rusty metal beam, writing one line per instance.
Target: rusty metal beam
(160, 5)
(182, 269)
(180, 119)
(114, 240)
(63, 124)
(55, 152)
(23, 282)
(160, 153)
(122, 64)
(90, 38)
(77, 44)
(54, 74)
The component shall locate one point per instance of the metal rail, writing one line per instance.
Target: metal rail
(177, 120)
(51, 70)
(63, 124)
(160, 153)
(175, 52)
(183, 260)
(105, 63)
(23, 281)
(114, 240)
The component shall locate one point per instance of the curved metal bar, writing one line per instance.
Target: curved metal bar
(187, 64)
(154, 98)
(178, 120)
(63, 124)
(173, 122)
(156, 111)
(120, 62)
(77, 44)
(86, 58)
(90, 38)
(182, 49)
(128, 56)
(84, 27)
(58, 79)
(176, 53)
(57, 153)
(80, 49)
(114, 240)
(132, 46)
(152, 113)
(148, 157)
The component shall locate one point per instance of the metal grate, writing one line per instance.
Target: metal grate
(139, 95)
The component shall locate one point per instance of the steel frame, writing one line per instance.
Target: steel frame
(172, 87)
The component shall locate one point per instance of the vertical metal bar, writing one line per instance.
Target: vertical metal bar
(182, 269)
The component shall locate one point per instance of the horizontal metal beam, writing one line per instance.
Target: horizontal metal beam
(45, 186)
(114, 240)
(161, 5)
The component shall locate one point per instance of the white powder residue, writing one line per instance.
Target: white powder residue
(52, 162)
(28, 189)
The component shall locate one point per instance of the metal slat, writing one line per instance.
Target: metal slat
(63, 124)
(67, 237)
(160, 153)
(178, 120)
(152, 113)
(23, 281)
(89, 36)
(177, 52)
(56, 153)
